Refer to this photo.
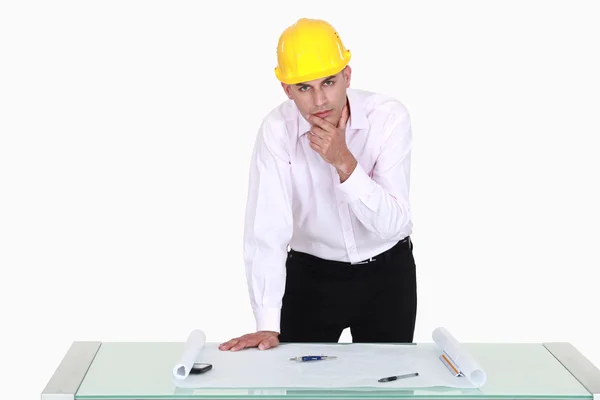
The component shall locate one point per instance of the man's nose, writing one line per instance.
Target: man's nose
(320, 98)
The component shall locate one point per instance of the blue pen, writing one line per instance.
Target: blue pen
(312, 358)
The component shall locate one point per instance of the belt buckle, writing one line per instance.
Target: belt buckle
(371, 259)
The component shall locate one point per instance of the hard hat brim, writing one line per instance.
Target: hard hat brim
(315, 75)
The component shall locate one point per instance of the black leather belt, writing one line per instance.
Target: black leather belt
(403, 244)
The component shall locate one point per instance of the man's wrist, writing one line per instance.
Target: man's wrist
(359, 184)
(346, 166)
(275, 333)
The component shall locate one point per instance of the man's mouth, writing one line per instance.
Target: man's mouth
(323, 114)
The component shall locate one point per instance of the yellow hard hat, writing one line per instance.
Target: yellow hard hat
(309, 49)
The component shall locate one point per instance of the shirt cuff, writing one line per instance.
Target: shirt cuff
(268, 319)
(357, 185)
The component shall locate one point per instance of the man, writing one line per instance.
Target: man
(329, 179)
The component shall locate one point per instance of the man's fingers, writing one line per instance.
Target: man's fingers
(316, 131)
(239, 345)
(228, 344)
(320, 122)
(316, 147)
(320, 137)
(316, 139)
(247, 341)
(271, 341)
(250, 340)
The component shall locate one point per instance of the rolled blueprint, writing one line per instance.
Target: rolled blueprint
(191, 351)
(456, 358)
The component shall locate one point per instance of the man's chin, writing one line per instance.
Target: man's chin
(332, 119)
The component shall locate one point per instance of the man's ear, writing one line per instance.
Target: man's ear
(347, 72)
(286, 89)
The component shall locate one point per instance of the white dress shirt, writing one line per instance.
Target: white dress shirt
(296, 199)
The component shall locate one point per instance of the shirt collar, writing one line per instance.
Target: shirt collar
(358, 118)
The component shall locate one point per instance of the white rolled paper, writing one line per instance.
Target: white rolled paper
(459, 356)
(191, 352)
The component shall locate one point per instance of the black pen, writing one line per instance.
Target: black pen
(393, 378)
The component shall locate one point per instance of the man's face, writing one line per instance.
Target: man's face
(323, 97)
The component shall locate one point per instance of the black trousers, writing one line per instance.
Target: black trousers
(376, 300)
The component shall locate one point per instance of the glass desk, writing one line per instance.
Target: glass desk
(143, 370)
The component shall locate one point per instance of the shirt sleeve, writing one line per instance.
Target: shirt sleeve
(380, 198)
(268, 226)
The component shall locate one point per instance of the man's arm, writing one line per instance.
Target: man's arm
(381, 202)
(268, 226)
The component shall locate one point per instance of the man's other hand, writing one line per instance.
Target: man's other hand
(263, 340)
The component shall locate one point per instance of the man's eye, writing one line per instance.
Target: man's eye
(328, 83)
(303, 88)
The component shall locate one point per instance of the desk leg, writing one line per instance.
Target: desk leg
(70, 373)
(578, 365)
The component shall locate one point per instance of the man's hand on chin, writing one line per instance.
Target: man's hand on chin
(330, 142)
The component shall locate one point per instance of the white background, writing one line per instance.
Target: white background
(127, 128)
